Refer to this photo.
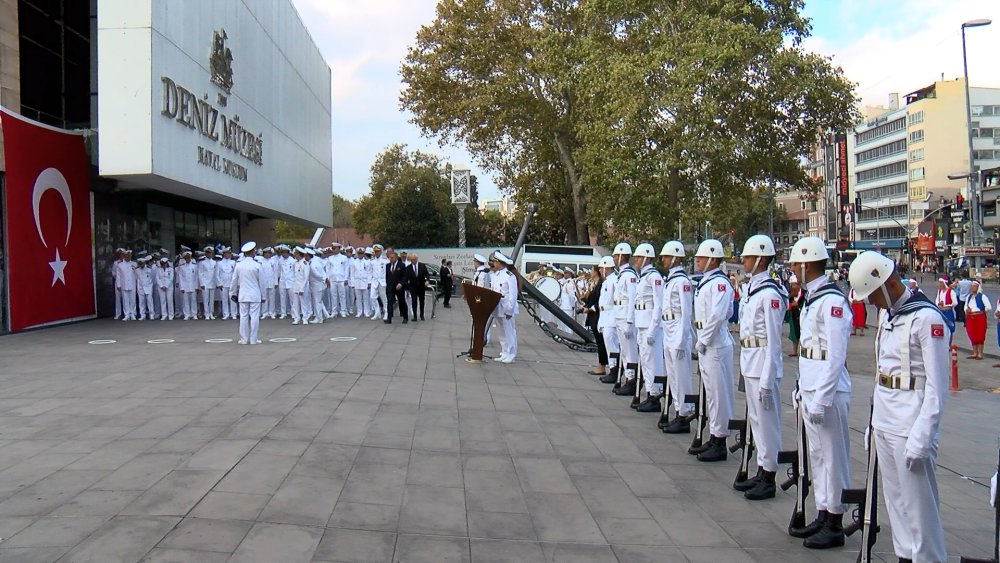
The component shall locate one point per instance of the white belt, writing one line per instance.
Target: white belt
(903, 383)
(642, 306)
(753, 342)
(670, 316)
(813, 353)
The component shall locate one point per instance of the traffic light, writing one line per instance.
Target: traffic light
(960, 201)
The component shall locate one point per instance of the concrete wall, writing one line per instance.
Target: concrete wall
(10, 64)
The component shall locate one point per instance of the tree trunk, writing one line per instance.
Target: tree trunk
(582, 234)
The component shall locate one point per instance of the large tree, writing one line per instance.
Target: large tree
(628, 115)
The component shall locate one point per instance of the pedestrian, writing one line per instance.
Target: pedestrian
(504, 313)
(246, 290)
(946, 300)
(963, 287)
(795, 298)
(859, 314)
(976, 307)
(907, 405)
(447, 282)
(606, 318)
(591, 307)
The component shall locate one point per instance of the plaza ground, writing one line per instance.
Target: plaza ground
(380, 445)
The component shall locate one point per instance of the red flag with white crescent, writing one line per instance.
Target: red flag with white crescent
(47, 199)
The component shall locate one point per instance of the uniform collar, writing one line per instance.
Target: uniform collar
(646, 267)
(813, 286)
(676, 269)
(907, 294)
(709, 272)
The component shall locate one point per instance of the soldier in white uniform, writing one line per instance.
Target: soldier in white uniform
(301, 302)
(377, 295)
(246, 289)
(503, 283)
(625, 318)
(824, 392)
(125, 283)
(648, 302)
(223, 279)
(761, 316)
(207, 282)
(318, 282)
(606, 320)
(338, 270)
(145, 280)
(286, 276)
(273, 262)
(712, 309)
(360, 282)
(119, 256)
(165, 288)
(676, 312)
(912, 387)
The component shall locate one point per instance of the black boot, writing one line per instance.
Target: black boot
(611, 377)
(743, 486)
(626, 390)
(830, 535)
(651, 404)
(679, 425)
(697, 450)
(764, 489)
(716, 451)
(905, 560)
(810, 528)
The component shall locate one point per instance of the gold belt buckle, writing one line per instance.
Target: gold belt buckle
(885, 380)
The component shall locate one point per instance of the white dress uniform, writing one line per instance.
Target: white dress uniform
(224, 279)
(360, 280)
(503, 283)
(713, 307)
(825, 386)
(762, 314)
(567, 302)
(125, 280)
(165, 289)
(624, 319)
(913, 356)
(266, 283)
(271, 305)
(648, 303)
(606, 320)
(338, 270)
(118, 291)
(247, 285)
(377, 294)
(206, 281)
(677, 316)
(301, 298)
(286, 278)
(317, 284)
(144, 289)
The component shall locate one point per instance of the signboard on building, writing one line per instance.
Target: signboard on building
(845, 215)
(231, 107)
(981, 250)
(925, 237)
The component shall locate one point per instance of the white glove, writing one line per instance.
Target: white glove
(701, 348)
(650, 340)
(766, 399)
(913, 462)
(796, 399)
(993, 490)
(817, 417)
(868, 437)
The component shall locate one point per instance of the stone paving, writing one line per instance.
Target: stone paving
(386, 448)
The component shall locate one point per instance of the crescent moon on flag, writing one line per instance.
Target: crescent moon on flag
(52, 179)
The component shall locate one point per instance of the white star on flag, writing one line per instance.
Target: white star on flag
(58, 265)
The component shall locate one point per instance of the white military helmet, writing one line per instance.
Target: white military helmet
(645, 250)
(710, 248)
(808, 249)
(758, 245)
(869, 271)
(673, 248)
(606, 262)
(623, 248)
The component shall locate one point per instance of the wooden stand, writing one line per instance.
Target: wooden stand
(482, 302)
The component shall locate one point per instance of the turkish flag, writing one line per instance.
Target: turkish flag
(50, 262)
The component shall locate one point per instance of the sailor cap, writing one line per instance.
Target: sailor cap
(248, 247)
(480, 258)
(501, 257)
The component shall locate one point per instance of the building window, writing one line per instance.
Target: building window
(880, 213)
(917, 117)
(893, 169)
(916, 155)
(892, 190)
(988, 154)
(917, 174)
(917, 136)
(986, 132)
(875, 153)
(880, 131)
(918, 192)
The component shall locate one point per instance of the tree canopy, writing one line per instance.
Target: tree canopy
(625, 116)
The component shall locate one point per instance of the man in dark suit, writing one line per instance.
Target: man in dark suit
(447, 282)
(417, 281)
(395, 283)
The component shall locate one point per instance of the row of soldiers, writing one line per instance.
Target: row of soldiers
(652, 324)
(308, 285)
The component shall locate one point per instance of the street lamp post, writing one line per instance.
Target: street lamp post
(973, 175)
(461, 197)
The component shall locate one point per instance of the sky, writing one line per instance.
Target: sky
(884, 46)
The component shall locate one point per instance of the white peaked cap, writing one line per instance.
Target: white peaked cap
(249, 247)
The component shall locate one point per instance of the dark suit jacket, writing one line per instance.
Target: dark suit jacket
(446, 279)
(592, 301)
(416, 281)
(395, 274)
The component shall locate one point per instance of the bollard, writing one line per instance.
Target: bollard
(954, 368)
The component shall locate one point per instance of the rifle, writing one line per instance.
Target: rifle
(665, 413)
(996, 529)
(798, 473)
(638, 378)
(744, 441)
(865, 516)
(700, 410)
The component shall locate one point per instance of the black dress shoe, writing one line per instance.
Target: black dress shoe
(744, 486)
(830, 535)
(421, 317)
(716, 451)
(626, 390)
(405, 321)
(764, 489)
(651, 404)
(609, 378)
(679, 425)
(810, 528)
